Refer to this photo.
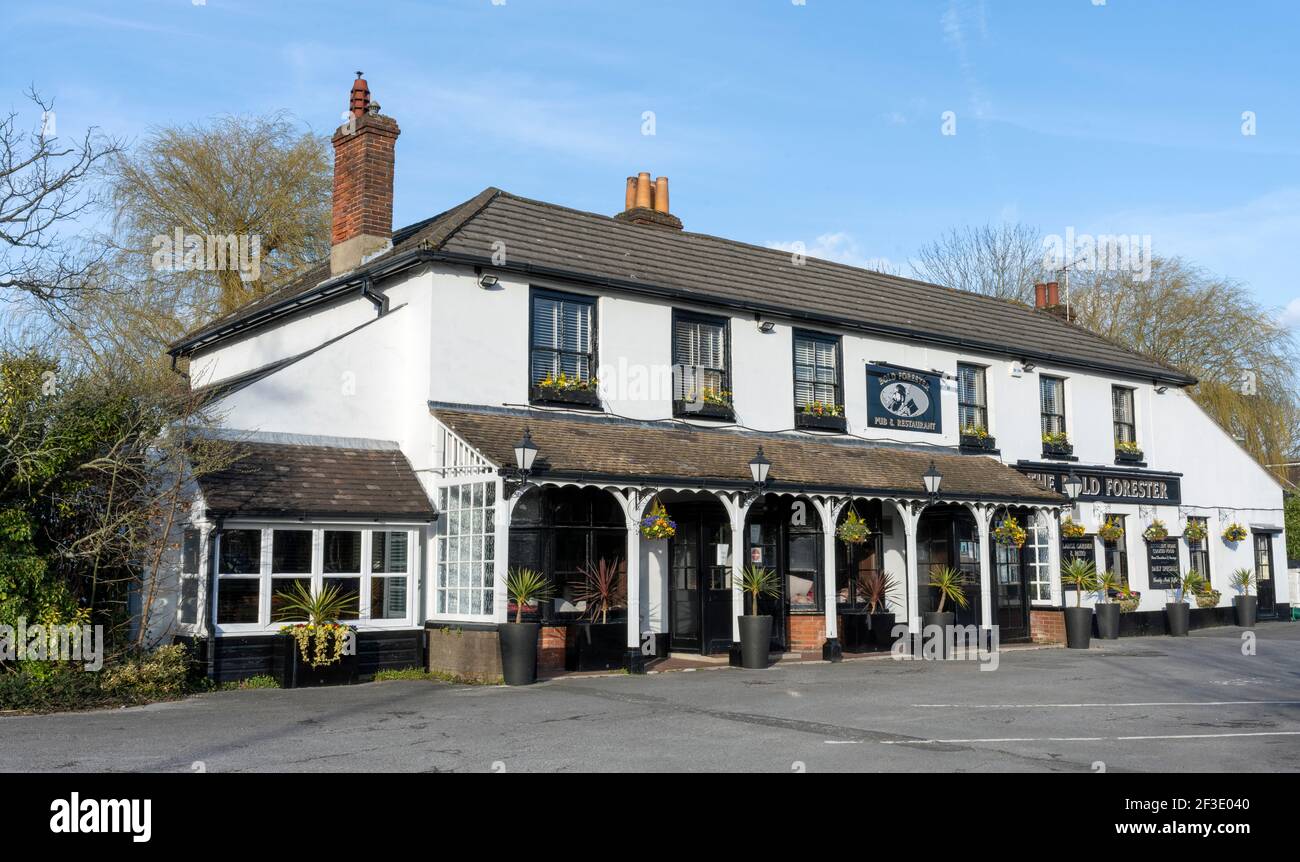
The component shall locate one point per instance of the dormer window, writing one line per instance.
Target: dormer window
(562, 354)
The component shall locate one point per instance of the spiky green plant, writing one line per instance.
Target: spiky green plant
(1190, 584)
(759, 582)
(299, 603)
(1082, 575)
(1243, 579)
(1107, 581)
(526, 587)
(877, 588)
(951, 586)
(602, 589)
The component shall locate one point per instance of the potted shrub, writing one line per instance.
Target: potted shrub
(755, 628)
(602, 645)
(1179, 612)
(1106, 610)
(317, 652)
(1155, 531)
(1057, 443)
(879, 588)
(519, 639)
(1082, 575)
(950, 585)
(1245, 605)
(1234, 533)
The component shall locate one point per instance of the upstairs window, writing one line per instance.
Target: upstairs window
(1198, 550)
(562, 355)
(1052, 406)
(972, 403)
(1121, 401)
(700, 362)
(817, 384)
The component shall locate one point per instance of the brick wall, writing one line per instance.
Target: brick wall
(807, 633)
(550, 655)
(1047, 627)
(363, 178)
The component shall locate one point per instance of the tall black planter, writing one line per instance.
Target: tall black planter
(1107, 621)
(1078, 627)
(882, 630)
(1178, 614)
(755, 639)
(297, 672)
(943, 621)
(1245, 609)
(519, 652)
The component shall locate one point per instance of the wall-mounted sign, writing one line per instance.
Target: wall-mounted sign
(1084, 549)
(1109, 486)
(903, 399)
(1162, 564)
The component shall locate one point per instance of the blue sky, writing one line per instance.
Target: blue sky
(776, 122)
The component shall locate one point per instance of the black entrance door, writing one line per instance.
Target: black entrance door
(699, 596)
(948, 536)
(1011, 593)
(1264, 575)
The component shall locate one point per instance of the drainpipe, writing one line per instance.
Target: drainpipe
(379, 300)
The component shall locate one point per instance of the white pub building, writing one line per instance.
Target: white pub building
(381, 397)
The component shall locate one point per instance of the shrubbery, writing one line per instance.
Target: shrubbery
(129, 679)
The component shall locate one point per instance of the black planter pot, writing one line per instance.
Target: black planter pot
(820, 423)
(975, 443)
(855, 631)
(298, 672)
(1107, 621)
(565, 397)
(882, 630)
(601, 646)
(519, 652)
(1245, 608)
(1178, 615)
(943, 620)
(1078, 627)
(755, 640)
(1058, 450)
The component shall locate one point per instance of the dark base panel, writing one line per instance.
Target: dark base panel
(229, 659)
(831, 650)
(1149, 623)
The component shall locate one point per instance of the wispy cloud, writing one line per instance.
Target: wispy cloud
(839, 247)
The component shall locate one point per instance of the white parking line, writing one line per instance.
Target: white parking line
(1086, 738)
(1097, 705)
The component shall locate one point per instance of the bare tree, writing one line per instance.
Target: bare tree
(46, 185)
(1003, 261)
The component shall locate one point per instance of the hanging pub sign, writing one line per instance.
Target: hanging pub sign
(903, 399)
(1162, 564)
(1083, 549)
(1109, 486)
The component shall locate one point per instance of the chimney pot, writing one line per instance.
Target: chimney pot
(360, 100)
(1040, 295)
(629, 199)
(645, 202)
(363, 182)
(1053, 294)
(661, 194)
(643, 190)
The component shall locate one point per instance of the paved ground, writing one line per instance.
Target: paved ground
(1143, 704)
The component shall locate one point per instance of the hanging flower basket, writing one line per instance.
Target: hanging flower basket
(1072, 529)
(1010, 533)
(1156, 531)
(657, 524)
(1111, 531)
(1234, 533)
(1194, 531)
(854, 530)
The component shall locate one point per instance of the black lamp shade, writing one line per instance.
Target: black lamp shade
(525, 452)
(933, 479)
(1072, 486)
(758, 467)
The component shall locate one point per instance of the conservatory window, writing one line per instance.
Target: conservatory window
(466, 566)
(188, 612)
(239, 576)
(388, 574)
(341, 568)
(290, 564)
(1040, 579)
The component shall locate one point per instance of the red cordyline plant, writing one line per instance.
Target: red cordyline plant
(603, 588)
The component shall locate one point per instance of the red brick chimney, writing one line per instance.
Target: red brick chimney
(1047, 297)
(645, 201)
(363, 182)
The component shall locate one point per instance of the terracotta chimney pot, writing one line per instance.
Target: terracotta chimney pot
(661, 194)
(644, 199)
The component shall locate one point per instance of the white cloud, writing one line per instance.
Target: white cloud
(839, 247)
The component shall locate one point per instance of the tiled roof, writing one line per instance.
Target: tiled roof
(291, 480)
(677, 453)
(548, 239)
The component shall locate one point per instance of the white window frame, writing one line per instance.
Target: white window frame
(200, 600)
(500, 551)
(264, 625)
(1039, 521)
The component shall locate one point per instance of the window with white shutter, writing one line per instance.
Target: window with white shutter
(817, 371)
(700, 359)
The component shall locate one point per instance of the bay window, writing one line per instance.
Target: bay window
(259, 568)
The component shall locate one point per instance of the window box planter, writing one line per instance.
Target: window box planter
(588, 398)
(975, 443)
(1059, 451)
(297, 673)
(1133, 458)
(813, 422)
(705, 410)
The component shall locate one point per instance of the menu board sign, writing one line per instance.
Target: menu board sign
(1162, 564)
(1077, 549)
